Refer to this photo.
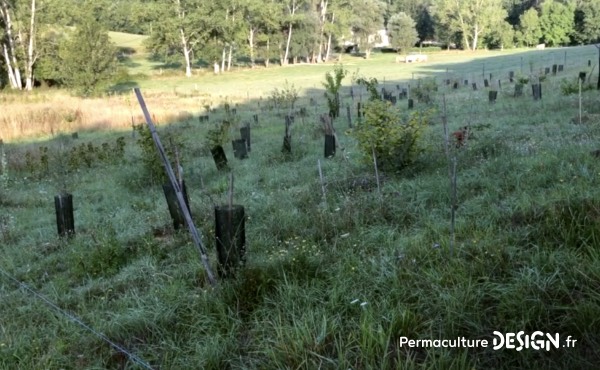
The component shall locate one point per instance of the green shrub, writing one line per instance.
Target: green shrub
(394, 141)
(425, 91)
(153, 165)
(217, 136)
(105, 256)
(522, 80)
(332, 84)
(285, 98)
(371, 86)
(570, 87)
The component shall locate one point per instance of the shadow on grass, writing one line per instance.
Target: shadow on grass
(123, 87)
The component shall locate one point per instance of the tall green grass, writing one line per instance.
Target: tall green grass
(331, 281)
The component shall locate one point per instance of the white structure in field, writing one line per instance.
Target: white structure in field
(378, 40)
(411, 58)
(381, 39)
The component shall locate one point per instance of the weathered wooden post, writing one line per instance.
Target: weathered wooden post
(287, 139)
(65, 221)
(240, 149)
(178, 191)
(492, 95)
(218, 154)
(230, 235)
(174, 210)
(518, 90)
(537, 91)
(327, 123)
(349, 115)
(245, 133)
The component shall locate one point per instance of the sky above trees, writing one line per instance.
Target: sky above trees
(34, 39)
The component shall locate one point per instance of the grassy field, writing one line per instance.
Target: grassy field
(333, 280)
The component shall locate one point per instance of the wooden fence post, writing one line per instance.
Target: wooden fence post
(65, 221)
(178, 191)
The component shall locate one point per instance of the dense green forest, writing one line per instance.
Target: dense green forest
(64, 42)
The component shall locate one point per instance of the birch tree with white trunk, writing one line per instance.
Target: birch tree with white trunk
(18, 33)
(473, 18)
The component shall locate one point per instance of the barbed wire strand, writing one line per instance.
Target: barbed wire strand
(78, 321)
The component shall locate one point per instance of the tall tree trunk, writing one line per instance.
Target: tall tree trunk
(229, 57)
(30, 51)
(251, 45)
(475, 37)
(223, 55)
(268, 54)
(10, 52)
(292, 11)
(329, 40)
(287, 46)
(322, 20)
(184, 41)
(186, 54)
(328, 52)
(464, 30)
(9, 69)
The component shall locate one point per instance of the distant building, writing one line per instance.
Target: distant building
(381, 39)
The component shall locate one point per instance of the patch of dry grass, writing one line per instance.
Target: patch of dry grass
(41, 115)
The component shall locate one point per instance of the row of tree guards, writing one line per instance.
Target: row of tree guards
(229, 219)
(241, 147)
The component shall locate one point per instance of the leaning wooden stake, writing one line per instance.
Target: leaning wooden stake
(452, 177)
(230, 190)
(580, 109)
(178, 191)
(322, 181)
(376, 171)
(598, 47)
